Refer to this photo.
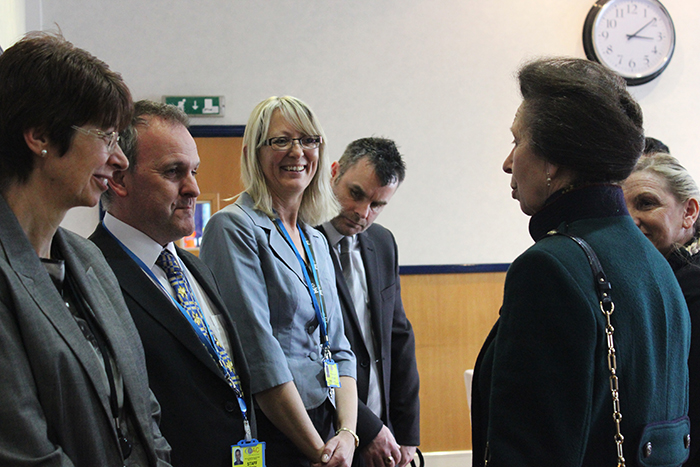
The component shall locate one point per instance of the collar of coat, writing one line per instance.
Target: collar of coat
(588, 202)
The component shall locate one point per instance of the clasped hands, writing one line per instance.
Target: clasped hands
(384, 451)
(337, 452)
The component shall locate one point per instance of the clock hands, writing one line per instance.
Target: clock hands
(630, 36)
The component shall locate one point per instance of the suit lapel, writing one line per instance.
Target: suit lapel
(277, 242)
(207, 282)
(46, 296)
(22, 258)
(348, 307)
(369, 260)
(97, 302)
(138, 287)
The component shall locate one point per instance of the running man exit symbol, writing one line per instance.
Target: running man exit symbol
(198, 106)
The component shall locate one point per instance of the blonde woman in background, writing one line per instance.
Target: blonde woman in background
(662, 198)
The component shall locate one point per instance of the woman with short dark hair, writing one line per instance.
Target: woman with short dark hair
(74, 389)
(542, 383)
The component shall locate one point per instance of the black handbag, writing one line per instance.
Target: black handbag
(421, 461)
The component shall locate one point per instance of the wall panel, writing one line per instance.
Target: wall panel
(451, 315)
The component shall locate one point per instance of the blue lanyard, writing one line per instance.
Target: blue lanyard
(206, 340)
(314, 287)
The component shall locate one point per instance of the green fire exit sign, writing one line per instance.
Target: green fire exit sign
(198, 106)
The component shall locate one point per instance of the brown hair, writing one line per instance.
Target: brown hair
(579, 115)
(49, 84)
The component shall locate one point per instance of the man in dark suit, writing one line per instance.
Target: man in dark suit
(367, 272)
(195, 362)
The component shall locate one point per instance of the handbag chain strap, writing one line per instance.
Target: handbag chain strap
(607, 306)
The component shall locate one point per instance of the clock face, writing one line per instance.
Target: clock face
(635, 38)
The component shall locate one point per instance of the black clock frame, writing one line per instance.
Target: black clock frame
(589, 48)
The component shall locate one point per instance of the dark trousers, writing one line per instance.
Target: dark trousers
(279, 450)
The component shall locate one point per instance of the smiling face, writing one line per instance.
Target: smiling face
(528, 170)
(80, 176)
(361, 196)
(658, 214)
(287, 173)
(158, 196)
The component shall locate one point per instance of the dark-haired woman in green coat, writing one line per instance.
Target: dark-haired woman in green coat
(542, 384)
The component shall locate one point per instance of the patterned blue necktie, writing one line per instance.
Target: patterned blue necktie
(168, 263)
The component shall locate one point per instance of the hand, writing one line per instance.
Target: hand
(382, 447)
(337, 452)
(407, 453)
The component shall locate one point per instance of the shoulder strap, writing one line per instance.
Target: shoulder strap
(603, 286)
(607, 306)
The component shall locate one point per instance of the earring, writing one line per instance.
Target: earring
(44, 152)
(549, 180)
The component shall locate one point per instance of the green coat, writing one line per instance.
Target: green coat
(541, 392)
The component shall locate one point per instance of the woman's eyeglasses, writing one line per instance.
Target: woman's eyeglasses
(284, 143)
(111, 138)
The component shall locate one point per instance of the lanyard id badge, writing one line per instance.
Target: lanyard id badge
(217, 352)
(330, 368)
(248, 453)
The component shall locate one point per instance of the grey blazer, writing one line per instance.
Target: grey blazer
(263, 287)
(55, 407)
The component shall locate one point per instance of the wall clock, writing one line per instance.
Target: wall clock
(634, 38)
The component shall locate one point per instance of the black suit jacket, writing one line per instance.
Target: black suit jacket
(201, 418)
(395, 346)
(687, 270)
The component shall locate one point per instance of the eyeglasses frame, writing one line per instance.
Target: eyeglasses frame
(317, 143)
(111, 138)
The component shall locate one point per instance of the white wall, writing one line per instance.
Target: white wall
(435, 75)
(12, 21)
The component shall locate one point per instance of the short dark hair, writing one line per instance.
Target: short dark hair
(128, 138)
(382, 154)
(49, 84)
(579, 115)
(653, 146)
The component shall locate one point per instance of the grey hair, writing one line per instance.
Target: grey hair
(678, 180)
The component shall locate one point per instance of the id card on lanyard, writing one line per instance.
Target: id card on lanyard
(210, 345)
(310, 270)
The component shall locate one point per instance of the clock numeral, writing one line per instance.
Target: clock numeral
(610, 23)
(609, 50)
(661, 36)
(632, 9)
(632, 64)
(655, 51)
(605, 34)
(619, 61)
(619, 13)
(647, 62)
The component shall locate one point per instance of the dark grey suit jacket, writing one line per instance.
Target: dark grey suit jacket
(201, 417)
(55, 406)
(395, 344)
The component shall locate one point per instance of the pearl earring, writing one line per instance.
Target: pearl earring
(44, 152)
(549, 180)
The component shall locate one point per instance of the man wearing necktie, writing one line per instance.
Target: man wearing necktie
(195, 362)
(367, 274)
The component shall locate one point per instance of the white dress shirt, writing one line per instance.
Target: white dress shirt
(360, 298)
(148, 250)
